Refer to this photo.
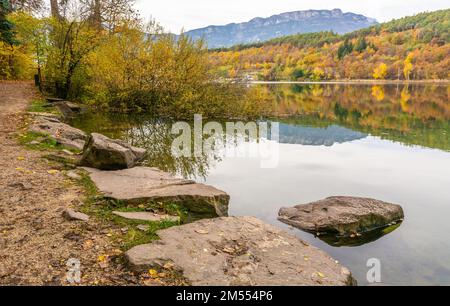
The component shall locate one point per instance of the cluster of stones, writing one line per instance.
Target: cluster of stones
(217, 249)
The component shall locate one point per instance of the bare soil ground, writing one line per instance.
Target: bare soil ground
(36, 242)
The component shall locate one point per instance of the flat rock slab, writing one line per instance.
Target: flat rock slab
(73, 175)
(69, 109)
(54, 100)
(146, 216)
(142, 185)
(64, 134)
(238, 251)
(342, 216)
(48, 115)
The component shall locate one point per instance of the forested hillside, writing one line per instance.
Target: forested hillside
(411, 48)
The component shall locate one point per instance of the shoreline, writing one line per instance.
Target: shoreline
(356, 82)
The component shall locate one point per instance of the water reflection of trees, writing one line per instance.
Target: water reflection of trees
(411, 114)
(154, 135)
(414, 114)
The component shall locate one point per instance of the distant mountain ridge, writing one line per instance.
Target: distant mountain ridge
(262, 29)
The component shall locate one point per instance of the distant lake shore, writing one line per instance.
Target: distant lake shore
(356, 82)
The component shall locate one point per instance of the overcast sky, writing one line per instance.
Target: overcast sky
(191, 14)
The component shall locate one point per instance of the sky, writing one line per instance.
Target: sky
(175, 15)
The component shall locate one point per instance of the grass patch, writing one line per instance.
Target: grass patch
(42, 106)
(61, 162)
(42, 142)
(158, 207)
(102, 209)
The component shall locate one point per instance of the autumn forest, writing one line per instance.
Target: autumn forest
(411, 48)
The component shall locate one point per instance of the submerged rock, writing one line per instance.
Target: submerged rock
(238, 251)
(103, 153)
(359, 240)
(343, 216)
(64, 134)
(150, 185)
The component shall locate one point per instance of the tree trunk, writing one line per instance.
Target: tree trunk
(97, 15)
(55, 9)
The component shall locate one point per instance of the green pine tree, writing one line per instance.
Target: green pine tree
(7, 34)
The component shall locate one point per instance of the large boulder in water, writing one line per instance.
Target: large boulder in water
(103, 153)
(238, 251)
(343, 216)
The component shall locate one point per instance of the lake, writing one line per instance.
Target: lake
(388, 142)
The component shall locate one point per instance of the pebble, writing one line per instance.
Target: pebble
(72, 215)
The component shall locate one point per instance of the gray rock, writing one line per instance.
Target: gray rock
(73, 175)
(146, 216)
(42, 114)
(141, 185)
(344, 216)
(67, 152)
(238, 251)
(54, 100)
(64, 134)
(104, 153)
(69, 109)
(143, 227)
(72, 215)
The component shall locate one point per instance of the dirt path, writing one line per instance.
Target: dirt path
(36, 242)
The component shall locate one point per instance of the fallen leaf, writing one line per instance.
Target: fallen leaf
(20, 158)
(153, 273)
(321, 274)
(102, 258)
(20, 169)
(52, 171)
(203, 232)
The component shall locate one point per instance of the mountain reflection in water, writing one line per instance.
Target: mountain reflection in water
(327, 136)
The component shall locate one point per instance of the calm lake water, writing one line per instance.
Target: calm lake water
(386, 142)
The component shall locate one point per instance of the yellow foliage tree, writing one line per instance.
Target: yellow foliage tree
(380, 72)
(318, 74)
(408, 66)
